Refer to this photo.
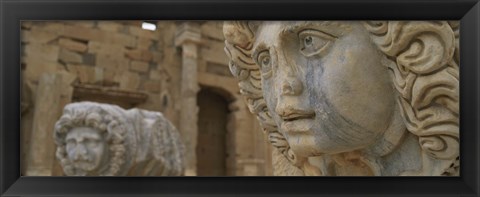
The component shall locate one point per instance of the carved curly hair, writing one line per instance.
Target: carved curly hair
(111, 126)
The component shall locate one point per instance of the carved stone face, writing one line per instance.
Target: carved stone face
(324, 84)
(86, 148)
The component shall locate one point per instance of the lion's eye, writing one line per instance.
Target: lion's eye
(314, 42)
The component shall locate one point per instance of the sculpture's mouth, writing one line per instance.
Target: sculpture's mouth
(298, 116)
(297, 120)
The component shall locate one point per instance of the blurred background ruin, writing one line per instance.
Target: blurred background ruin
(178, 68)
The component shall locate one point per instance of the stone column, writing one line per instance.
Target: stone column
(41, 153)
(188, 37)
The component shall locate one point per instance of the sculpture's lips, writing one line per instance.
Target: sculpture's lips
(298, 116)
(297, 121)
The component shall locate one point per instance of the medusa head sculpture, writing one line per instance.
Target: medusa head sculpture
(96, 139)
(351, 98)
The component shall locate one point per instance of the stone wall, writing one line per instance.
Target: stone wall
(119, 62)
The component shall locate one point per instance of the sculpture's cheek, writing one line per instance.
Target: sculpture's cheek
(358, 85)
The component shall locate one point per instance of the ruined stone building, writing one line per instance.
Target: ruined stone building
(179, 69)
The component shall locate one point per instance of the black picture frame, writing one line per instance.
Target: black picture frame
(13, 11)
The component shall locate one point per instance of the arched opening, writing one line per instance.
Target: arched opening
(212, 129)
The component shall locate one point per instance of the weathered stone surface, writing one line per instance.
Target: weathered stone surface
(144, 43)
(105, 140)
(85, 74)
(72, 45)
(142, 55)
(39, 161)
(36, 66)
(42, 51)
(68, 56)
(310, 84)
(86, 34)
(153, 86)
(109, 26)
(103, 48)
(128, 80)
(139, 66)
(142, 33)
(112, 62)
(40, 37)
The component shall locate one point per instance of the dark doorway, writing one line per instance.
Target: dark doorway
(212, 121)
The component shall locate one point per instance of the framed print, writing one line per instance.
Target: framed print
(242, 98)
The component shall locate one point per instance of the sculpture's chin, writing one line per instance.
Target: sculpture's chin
(85, 166)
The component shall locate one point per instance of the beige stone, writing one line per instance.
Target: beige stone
(42, 51)
(109, 26)
(86, 34)
(52, 27)
(39, 161)
(142, 33)
(139, 66)
(68, 56)
(36, 66)
(112, 62)
(212, 52)
(213, 30)
(128, 80)
(103, 48)
(153, 86)
(142, 55)
(143, 143)
(144, 43)
(40, 37)
(72, 45)
(310, 85)
(85, 73)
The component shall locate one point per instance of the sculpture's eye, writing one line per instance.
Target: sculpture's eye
(92, 143)
(265, 61)
(314, 42)
(71, 144)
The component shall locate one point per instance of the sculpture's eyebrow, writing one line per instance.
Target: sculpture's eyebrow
(330, 27)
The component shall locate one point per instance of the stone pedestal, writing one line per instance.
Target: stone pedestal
(41, 155)
(188, 37)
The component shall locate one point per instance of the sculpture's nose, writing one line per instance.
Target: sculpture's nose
(80, 152)
(291, 86)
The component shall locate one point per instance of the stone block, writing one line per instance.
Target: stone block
(109, 26)
(142, 33)
(214, 52)
(89, 59)
(153, 86)
(68, 56)
(111, 49)
(52, 27)
(213, 30)
(144, 43)
(85, 74)
(72, 45)
(68, 78)
(87, 24)
(137, 54)
(128, 80)
(35, 66)
(139, 66)
(40, 37)
(157, 56)
(112, 62)
(87, 34)
(42, 51)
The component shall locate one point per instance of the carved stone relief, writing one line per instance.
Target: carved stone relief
(352, 98)
(105, 140)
